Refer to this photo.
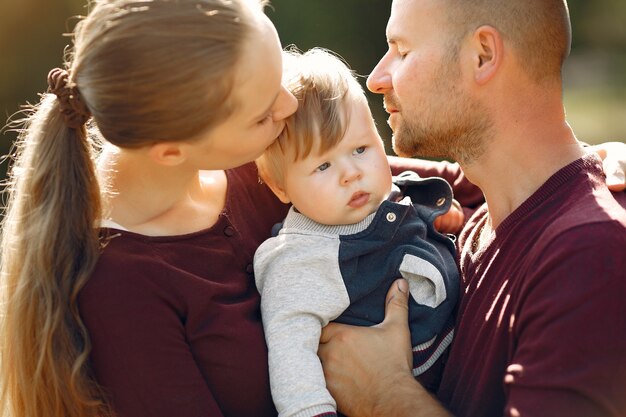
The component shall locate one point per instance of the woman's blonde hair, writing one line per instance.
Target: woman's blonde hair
(324, 87)
(148, 71)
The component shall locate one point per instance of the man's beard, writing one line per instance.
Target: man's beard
(451, 125)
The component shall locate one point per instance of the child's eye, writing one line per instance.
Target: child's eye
(323, 167)
(359, 150)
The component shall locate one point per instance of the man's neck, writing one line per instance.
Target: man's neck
(515, 166)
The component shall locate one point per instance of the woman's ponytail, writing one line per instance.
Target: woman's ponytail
(49, 247)
(148, 71)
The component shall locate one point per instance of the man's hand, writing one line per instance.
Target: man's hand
(613, 155)
(368, 369)
(452, 221)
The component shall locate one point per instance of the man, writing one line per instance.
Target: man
(540, 326)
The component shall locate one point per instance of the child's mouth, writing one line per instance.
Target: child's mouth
(359, 199)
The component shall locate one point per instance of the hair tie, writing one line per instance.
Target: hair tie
(73, 108)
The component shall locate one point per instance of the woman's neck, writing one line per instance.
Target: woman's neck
(158, 200)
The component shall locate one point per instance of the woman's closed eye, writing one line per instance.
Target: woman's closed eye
(265, 119)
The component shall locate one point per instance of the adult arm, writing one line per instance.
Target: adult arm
(467, 194)
(613, 156)
(368, 369)
(301, 291)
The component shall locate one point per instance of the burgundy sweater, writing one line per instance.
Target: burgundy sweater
(541, 329)
(175, 322)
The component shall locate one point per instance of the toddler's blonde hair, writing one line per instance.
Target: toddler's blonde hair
(325, 88)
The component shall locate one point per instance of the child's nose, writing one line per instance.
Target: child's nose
(351, 174)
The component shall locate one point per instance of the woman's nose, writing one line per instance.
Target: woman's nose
(286, 104)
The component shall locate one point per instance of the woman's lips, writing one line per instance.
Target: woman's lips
(359, 199)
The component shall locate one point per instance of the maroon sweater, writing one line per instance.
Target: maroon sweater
(175, 322)
(541, 329)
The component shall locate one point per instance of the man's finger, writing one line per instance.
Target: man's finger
(437, 223)
(329, 331)
(615, 178)
(397, 303)
(616, 183)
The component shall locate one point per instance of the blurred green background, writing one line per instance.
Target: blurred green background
(31, 43)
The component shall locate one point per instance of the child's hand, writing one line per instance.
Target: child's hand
(452, 221)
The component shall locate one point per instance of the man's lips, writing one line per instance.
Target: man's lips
(391, 110)
(359, 199)
(389, 107)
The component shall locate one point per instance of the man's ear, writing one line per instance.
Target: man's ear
(278, 190)
(488, 51)
(167, 153)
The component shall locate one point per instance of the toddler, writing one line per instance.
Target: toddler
(348, 235)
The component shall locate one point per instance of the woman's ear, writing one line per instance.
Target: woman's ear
(167, 153)
(488, 51)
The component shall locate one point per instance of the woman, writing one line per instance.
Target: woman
(169, 312)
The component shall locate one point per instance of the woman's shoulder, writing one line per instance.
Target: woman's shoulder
(247, 195)
(246, 176)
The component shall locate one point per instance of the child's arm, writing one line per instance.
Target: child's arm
(301, 290)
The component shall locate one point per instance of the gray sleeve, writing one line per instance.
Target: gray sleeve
(426, 284)
(301, 291)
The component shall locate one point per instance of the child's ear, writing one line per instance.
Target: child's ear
(278, 191)
(167, 153)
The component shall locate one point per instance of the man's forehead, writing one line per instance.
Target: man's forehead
(406, 15)
(399, 19)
